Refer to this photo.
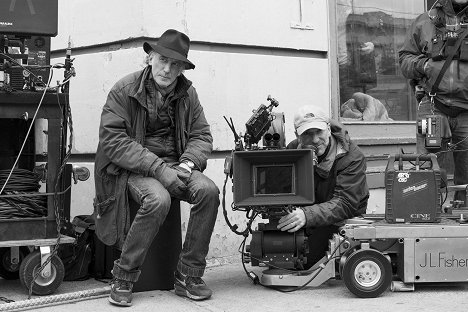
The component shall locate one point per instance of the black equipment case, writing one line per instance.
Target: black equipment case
(412, 193)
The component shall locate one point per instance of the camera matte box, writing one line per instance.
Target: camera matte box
(276, 177)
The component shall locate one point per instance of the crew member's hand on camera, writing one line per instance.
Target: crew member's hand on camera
(293, 221)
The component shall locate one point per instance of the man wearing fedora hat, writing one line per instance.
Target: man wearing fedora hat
(154, 142)
(340, 183)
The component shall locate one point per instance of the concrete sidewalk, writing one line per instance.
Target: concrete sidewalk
(234, 292)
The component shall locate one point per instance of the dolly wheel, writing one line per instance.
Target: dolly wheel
(8, 270)
(367, 273)
(42, 285)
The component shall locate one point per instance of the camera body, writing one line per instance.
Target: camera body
(430, 126)
(277, 249)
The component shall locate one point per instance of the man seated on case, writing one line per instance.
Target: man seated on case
(154, 142)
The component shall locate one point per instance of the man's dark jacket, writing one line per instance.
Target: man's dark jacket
(425, 39)
(121, 147)
(341, 190)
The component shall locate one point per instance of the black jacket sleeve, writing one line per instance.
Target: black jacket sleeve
(349, 196)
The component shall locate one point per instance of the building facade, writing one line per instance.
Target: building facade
(332, 52)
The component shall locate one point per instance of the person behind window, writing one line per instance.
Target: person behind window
(154, 142)
(356, 56)
(341, 190)
(425, 50)
(364, 107)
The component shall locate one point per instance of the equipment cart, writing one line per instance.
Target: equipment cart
(33, 114)
(26, 243)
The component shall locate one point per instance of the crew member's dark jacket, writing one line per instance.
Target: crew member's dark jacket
(424, 43)
(121, 147)
(341, 190)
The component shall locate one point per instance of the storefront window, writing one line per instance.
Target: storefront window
(370, 33)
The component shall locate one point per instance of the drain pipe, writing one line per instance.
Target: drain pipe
(55, 299)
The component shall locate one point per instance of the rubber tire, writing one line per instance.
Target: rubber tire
(42, 286)
(7, 271)
(378, 263)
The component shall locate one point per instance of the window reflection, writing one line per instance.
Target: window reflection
(370, 32)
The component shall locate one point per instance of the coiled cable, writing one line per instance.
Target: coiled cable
(12, 203)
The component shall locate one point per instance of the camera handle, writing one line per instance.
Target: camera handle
(237, 139)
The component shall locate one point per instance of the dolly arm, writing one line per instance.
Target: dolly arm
(318, 274)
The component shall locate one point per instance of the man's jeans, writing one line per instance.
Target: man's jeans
(455, 137)
(155, 202)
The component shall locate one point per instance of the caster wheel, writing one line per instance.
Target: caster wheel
(367, 273)
(8, 270)
(42, 285)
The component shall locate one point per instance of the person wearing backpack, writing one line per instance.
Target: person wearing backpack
(435, 57)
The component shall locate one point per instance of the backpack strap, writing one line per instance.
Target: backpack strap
(449, 59)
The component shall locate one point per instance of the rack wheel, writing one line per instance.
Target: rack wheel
(8, 270)
(367, 273)
(42, 285)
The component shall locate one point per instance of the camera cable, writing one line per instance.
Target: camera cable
(234, 227)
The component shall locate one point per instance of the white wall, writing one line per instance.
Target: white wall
(228, 84)
(231, 81)
(257, 23)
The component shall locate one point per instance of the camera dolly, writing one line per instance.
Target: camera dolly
(371, 256)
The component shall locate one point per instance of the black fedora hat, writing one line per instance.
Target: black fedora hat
(172, 44)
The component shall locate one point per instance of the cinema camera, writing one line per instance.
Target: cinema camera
(269, 181)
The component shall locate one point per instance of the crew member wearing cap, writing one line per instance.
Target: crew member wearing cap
(154, 142)
(340, 184)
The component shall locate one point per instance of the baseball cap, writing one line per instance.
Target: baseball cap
(310, 117)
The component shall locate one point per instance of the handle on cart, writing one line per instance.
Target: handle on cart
(417, 158)
(413, 157)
